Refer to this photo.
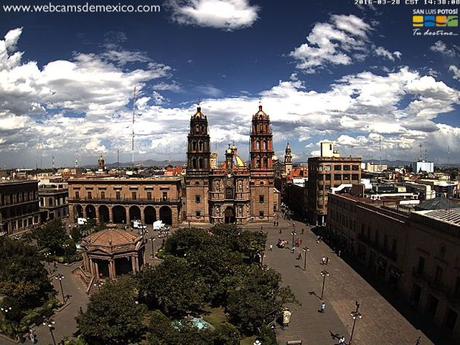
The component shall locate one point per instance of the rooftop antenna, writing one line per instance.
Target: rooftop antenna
(448, 155)
(118, 159)
(52, 162)
(380, 152)
(421, 155)
(132, 133)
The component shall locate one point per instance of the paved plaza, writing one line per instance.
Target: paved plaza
(381, 323)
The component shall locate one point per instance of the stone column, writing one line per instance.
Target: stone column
(84, 210)
(96, 270)
(136, 263)
(72, 212)
(96, 208)
(112, 274)
(133, 263)
(110, 214)
(142, 214)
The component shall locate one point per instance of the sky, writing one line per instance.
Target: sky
(322, 69)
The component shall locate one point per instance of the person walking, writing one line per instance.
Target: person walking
(322, 307)
(342, 340)
(280, 231)
(302, 230)
(271, 247)
(327, 260)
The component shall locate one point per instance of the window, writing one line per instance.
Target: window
(118, 195)
(133, 195)
(90, 195)
(337, 167)
(165, 196)
(198, 213)
(346, 167)
(337, 176)
(355, 177)
(228, 193)
(261, 199)
(355, 167)
(421, 265)
(197, 199)
(102, 195)
(261, 214)
(149, 195)
(77, 195)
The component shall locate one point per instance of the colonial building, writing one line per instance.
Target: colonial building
(417, 254)
(19, 209)
(53, 200)
(232, 192)
(122, 200)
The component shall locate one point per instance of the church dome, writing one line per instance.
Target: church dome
(199, 114)
(261, 115)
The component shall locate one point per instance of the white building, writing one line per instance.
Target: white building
(423, 166)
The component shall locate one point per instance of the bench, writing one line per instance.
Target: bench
(294, 342)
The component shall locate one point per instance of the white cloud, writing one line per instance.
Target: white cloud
(209, 90)
(455, 71)
(337, 42)
(221, 14)
(441, 47)
(163, 86)
(380, 51)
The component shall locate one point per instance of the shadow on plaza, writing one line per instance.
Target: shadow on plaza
(392, 296)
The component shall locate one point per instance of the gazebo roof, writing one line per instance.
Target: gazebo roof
(112, 240)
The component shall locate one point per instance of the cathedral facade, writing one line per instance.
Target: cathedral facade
(234, 191)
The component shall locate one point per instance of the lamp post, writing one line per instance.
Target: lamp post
(5, 310)
(99, 285)
(47, 258)
(59, 277)
(324, 274)
(50, 324)
(152, 240)
(355, 314)
(293, 233)
(305, 251)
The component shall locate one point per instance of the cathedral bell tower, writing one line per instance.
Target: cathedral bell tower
(262, 173)
(198, 168)
(288, 160)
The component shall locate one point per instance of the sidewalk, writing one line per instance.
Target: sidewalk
(381, 323)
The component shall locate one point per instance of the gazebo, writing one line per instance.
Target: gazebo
(111, 253)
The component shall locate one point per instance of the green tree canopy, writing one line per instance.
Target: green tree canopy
(23, 278)
(113, 316)
(53, 237)
(173, 287)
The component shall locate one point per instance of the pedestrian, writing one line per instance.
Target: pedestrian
(322, 307)
(274, 223)
(339, 253)
(302, 230)
(280, 231)
(318, 238)
(327, 260)
(299, 256)
(323, 260)
(342, 340)
(271, 247)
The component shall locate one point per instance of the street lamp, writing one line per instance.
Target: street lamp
(152, 240)
(305, 251)
(293, 233)
(355, 314)
(5, 310)
(59, 277)
(99, 285)
(324, 274)
(50, 324)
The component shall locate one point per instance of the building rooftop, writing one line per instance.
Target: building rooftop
(105, 179)
(438, 204)
(112, 237)
(451, 216)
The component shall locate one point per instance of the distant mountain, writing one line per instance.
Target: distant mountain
(145, 163)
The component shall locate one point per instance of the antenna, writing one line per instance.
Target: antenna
(380, 152)
(52, 162)
(118, 159)
(421, 154)
(132, 133)
(448, 155)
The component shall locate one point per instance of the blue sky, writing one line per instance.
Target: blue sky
(324, 70)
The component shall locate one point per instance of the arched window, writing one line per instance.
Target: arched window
(194, 163)
(200, 163)
(265, 162)
(194, 145)
(258, 144)
(200, 145)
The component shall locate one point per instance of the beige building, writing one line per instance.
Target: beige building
(325, 173)
(19, 206)
(416, 253)
(122, 200)
(53, 200)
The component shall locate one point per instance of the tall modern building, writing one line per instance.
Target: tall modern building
(327, 173)
(232, 192)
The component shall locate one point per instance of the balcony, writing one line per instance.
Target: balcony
(121, 200)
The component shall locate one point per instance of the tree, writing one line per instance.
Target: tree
(188, 240)
(256, 297)
(52, 236)
(114, 316)
(172, 287)
(23, 278)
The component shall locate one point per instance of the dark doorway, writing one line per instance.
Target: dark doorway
(79, 211)
(119, 215)
(415, 295)
(150, 215)
(123, 266)
(103, 268)
(134, 213)
(451, 319)
(431, 306)
(166, 215)
(104, 214)
(90, 212)
(229, 215)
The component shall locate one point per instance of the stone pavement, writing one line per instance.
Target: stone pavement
(66, 324)
(381, 324)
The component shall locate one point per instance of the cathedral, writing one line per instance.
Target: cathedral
(234, 191)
